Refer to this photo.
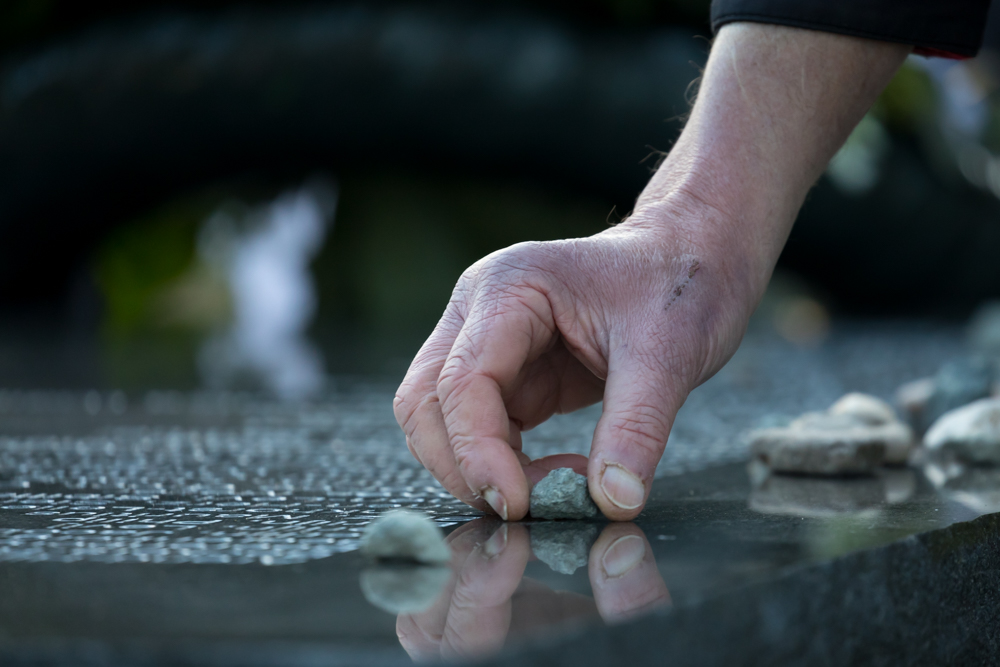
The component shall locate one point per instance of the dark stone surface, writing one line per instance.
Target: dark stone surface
(930, 599)
(221, 529)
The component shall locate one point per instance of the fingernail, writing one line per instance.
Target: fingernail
(496, 501)
(623, 554)
(622, 488)
(497, 542)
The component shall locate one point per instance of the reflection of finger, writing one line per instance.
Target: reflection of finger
(536, 608)
(419, 640)
(555, 383)
(420, 634)
(480, 610)
(418, 411)
(499, 337)
(623, 573)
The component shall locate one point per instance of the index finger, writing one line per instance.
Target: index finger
(418, 410)
(499, 337)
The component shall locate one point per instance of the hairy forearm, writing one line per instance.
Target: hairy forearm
(774, 105)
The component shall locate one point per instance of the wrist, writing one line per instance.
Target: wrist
(698, 209)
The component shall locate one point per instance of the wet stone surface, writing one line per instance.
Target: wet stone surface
(212, 477)
(169, 517)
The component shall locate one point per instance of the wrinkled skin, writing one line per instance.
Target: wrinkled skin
(488, 602)
(642, 313)
(544, 328)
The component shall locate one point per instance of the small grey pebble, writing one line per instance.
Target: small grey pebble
(562, 494)
(405, 535)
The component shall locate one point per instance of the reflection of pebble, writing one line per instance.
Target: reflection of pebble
(562, 494)
(404, 589)
(563, 547)
(972, 432)
(405, 535)
(977, 488)
(817, 498)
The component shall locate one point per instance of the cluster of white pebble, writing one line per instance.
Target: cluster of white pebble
(957, 411)
(855, 436)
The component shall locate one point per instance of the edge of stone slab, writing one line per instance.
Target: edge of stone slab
(931, 598)
(191, 653)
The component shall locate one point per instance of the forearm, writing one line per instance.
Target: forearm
(774, 105)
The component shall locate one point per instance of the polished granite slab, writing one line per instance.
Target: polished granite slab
(215, 528)
(706, 534)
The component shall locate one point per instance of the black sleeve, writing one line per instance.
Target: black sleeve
(952, 28)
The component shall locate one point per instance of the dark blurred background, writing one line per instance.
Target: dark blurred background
(247, 194)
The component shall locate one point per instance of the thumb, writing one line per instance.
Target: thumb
(641, 398)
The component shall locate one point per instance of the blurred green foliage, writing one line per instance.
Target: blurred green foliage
(909, 102)
(137, 260)
(399, 242)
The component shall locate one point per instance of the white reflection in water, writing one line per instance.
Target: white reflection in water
(265, 255)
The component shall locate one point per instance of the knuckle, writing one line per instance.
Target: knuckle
(516, 264)
(403, 407)
(407, 407)
(454, 373)
(463, 446)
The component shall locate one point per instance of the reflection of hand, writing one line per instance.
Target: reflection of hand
(623, 573)
(472, 614)
(486, 598)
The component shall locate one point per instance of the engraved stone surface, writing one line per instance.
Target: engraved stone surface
(145, 521)
(231, 478)
(562, 494)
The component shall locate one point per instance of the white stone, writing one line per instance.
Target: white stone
(405, 535)
(824, 444)
(912, 398)
(971, 432)
(865, 408)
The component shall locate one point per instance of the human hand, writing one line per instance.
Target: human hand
(642, 313)
(637, 315)
(488, 602)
